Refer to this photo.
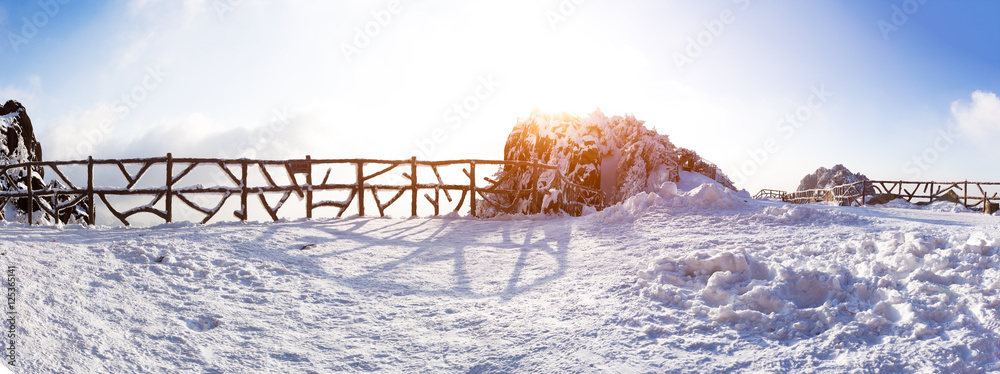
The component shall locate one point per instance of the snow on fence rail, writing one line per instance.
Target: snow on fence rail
(973, 195)
(51, 201)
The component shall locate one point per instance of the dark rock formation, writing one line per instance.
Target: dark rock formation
(18, 140)
(18, 145)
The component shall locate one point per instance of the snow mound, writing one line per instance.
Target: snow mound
(937, 206)
(730, 287)
(689, 181)
(901, 204)
(894, 287)
(800, 214)
(946, 206)
(711, 195)
(631, 208)
(708, 195)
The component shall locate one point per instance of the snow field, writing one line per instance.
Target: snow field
(685, 278)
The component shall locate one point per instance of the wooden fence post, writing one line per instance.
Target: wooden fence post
(243, 190)
(965, 193)
(472, 187)
(864, 192)
(534, 186)
(92, 204)
(170, 187)
(361, 188)
(309, 190)
(986, 204)
(31, 196)
(413, 185)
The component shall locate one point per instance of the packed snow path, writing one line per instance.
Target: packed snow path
(699, 282)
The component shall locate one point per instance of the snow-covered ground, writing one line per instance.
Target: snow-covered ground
(688, 279)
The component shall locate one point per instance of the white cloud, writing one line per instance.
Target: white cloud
(27, 98)
(981, 116)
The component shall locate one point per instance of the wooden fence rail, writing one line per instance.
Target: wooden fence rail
(51, 201)
(973, 195)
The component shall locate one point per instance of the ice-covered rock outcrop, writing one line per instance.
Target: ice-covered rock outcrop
(617, 156)
(18, 145)
(17, 138)
(825, 178)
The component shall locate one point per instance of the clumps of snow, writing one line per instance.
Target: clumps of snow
(894, 285)
(947, 207)
(631, 208)
(711, 195)
(730, 287)
(706, 196)
(689, 181)
(790, 214)
(937, 206)
(901, 204)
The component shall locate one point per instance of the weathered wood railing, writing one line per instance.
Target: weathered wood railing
(973, 195)
(48, 202)
(771, 194)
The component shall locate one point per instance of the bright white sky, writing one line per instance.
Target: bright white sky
(271, 79)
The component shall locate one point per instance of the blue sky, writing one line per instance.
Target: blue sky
(892, 89)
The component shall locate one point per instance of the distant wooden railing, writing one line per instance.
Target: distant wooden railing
(771, 194)
(973, 195)
(60, 199)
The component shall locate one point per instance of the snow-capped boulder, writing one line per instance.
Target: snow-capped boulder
(617, 156)
(17, 138)
(825, 178)
(18, 145)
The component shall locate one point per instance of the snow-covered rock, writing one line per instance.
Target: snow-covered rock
(17, 138)
(618, 156)
(825, 178)
(18, 145)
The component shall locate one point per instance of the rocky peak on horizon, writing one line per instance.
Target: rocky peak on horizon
(824, 178)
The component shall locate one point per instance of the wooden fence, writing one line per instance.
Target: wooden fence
(973, 195)
(771, 194)
(300, 174)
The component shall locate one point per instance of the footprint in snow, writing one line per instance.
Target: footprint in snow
(202, 323)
